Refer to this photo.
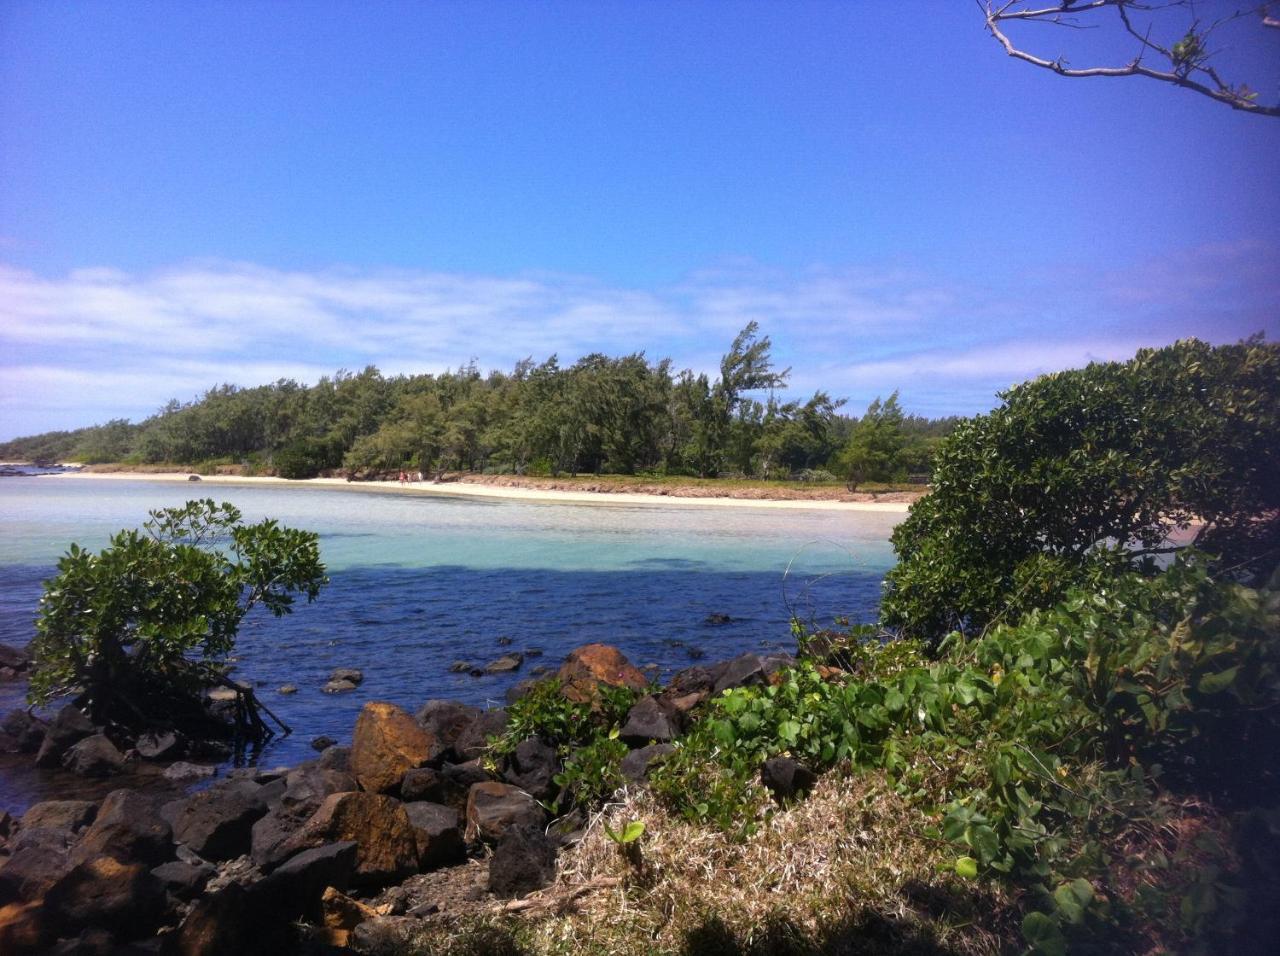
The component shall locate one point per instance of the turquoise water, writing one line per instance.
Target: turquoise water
(420, 581)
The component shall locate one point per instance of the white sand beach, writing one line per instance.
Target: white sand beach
(472, 490)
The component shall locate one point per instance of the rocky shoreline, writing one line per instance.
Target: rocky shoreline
(421, 818)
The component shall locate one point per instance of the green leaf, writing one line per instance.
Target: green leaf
(632, 831)
(967, 867)
(984, 841)
(1043, 935)
(1217, 683)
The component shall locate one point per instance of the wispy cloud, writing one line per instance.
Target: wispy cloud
(98, 343)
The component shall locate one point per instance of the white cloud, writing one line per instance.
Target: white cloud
(97, 343)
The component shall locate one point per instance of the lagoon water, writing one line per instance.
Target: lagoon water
(420, 581)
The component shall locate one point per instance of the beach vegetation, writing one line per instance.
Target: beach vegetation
(601, 415)
(1081, 474)
(138, 629)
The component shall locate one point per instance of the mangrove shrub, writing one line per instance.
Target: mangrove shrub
(149, 619)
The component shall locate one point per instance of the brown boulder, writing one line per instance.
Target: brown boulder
(342, 914)
(493, 808)
(23, 928)
(69, 815)
(388, 742)
(121, 897)
(591, 665)
(387, 844)
(128, 827)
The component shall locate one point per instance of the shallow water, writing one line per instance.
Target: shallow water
(418, 582)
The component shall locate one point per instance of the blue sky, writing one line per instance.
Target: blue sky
(199, 193)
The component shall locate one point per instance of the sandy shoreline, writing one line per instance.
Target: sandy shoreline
(474, 490)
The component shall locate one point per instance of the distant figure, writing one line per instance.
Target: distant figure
(404, 479)
(420, 477)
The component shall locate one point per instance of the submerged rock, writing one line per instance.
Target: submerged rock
(505, 664)
(67, 728)
(94, 756)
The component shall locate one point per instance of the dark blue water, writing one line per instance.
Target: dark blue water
(645, 581)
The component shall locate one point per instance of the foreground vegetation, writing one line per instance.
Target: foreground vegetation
(601, 415)
(1087, 763)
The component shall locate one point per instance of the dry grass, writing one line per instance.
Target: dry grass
(843, 871)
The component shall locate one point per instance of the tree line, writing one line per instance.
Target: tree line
(600, 415)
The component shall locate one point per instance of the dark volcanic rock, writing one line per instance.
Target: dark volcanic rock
(69, 815)
(123, 898)
(387, 845)
(493, 808)
(637, 764)
(218, 823)
(338, 687)
(383, 935)
(348, 674)
(648, 720)
(307, 786)
(742, 671)
(128, 827)
(184, 881)
(25, 730)
(94, 756)
(504, 664)
(785, 778)
(447, 719)
(32, 869)
(439, 833)
(520, 689)
(474, 741)
(533, 765)
(166, 745)
(219, 924)
(295, 889)
(717, 619)
(323, 742)
(523, 861)
(424, 783)
(68, 727)
(335, 758)
(181, 770)
(268, 842)
(14, 658)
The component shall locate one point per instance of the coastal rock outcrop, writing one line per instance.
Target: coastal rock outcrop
(387, 847)
(387, 743)
(649, 721)
(589, 666)
(494, 808)
(523, 861)
(217, 824)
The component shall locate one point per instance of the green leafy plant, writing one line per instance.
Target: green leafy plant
(1084, 473)
(148, 621)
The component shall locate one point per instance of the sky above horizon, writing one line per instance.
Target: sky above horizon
(239, 192)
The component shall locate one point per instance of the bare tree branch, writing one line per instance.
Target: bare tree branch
(1188, 59)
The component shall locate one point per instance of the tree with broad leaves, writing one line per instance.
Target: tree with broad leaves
(1081, 473)
(1172, 41)
(139, 629)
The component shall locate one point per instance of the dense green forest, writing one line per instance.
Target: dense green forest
(623, 415)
